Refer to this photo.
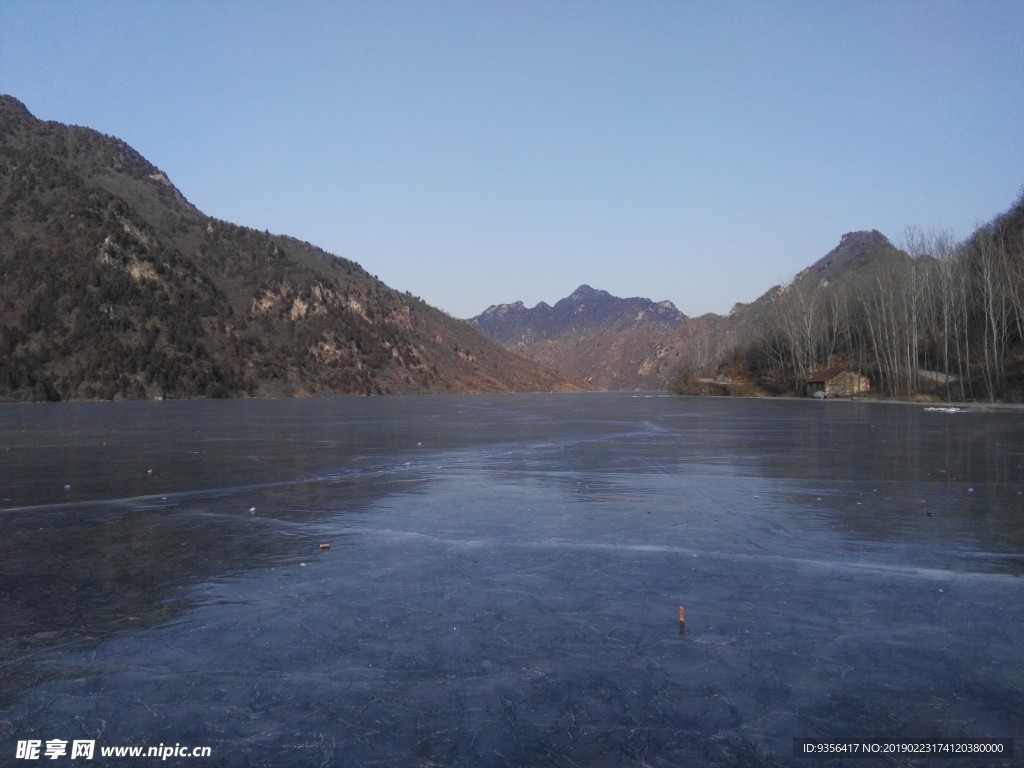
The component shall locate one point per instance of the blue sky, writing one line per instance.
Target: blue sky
(475, 153)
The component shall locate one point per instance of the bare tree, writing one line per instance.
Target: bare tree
(984, 254)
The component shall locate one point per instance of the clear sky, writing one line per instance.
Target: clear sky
(476, 153)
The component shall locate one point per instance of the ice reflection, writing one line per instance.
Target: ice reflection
(542, 580)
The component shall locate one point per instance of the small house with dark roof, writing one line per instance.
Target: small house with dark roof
(836, 382)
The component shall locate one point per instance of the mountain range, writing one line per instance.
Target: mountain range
(115, 286)
(611, 343)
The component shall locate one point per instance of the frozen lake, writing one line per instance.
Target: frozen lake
(503, 579)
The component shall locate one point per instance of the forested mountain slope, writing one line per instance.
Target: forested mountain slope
(115, 286)
(933, 318)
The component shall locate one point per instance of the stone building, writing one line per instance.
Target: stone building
(836, 382)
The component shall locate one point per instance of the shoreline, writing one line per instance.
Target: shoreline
(965, 406)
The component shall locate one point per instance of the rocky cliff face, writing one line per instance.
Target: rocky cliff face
(115, 286)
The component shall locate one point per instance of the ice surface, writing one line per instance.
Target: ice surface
(504, 575)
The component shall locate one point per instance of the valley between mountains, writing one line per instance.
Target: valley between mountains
(117, 287)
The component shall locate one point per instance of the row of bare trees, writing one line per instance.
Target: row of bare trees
(940, 316)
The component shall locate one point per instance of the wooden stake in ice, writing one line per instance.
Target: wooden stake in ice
(682, 620)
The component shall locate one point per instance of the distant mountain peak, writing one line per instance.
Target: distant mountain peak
(865, 235)
(853, 247)
(585, 291)
(586, 310)
(10, 107)
(592, 336)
